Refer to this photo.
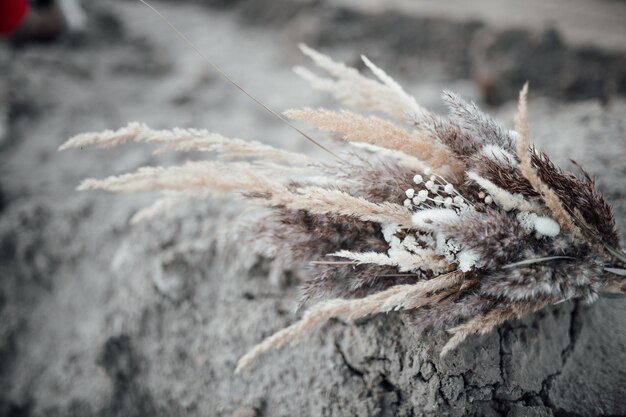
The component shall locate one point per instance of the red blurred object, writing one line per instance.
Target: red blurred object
(12, 13)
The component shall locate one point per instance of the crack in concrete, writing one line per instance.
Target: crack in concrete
(575, 328)
(354, 370)
(377, 386)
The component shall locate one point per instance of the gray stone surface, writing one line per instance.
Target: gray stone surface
(98, 318)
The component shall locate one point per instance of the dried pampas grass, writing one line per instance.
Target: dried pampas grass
(453, 218)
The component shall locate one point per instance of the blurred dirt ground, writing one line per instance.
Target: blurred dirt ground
(98, 318)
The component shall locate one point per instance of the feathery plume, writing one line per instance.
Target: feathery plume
(502, 197)
(484, 324)
(375, 131)
(550, 198)
(394, 298)
(482, 128)
(354, 89)
(184, 140)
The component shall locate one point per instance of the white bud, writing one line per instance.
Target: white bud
(428, 171)
(488, 200)
(407, 203)
(449, 188)
(439, 200)
(447, 202)
(418, 179)
(547, 226)
(458, 199)
(410, 192)
(430, 185)
(423, 194)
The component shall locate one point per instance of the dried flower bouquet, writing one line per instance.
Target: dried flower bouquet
(454, 218)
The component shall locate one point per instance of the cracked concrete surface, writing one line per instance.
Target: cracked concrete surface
(100, 319)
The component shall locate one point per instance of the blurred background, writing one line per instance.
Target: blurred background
(98, 318)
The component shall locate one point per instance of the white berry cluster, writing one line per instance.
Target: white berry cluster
(436, 192)
(486, 197)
